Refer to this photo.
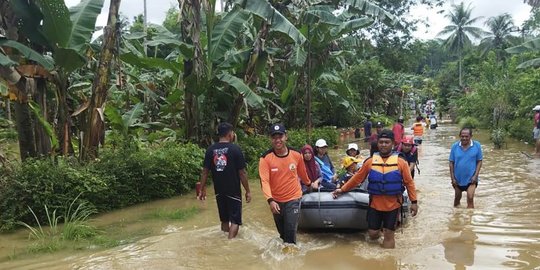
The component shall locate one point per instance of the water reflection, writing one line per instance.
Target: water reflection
(459, 250)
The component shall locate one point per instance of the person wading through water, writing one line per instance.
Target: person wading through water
(465, 163)
(387, 174)
(226, 162)
(279, 170)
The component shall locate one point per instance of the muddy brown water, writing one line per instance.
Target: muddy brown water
(503, 232)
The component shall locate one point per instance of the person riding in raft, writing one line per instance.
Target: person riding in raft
(350, 164)
(329, 176)
(312, 168)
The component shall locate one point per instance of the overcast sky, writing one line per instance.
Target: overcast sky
(435, 18)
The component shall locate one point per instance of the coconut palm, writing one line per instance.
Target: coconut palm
(460, 29)
(532, 3)
(500, 28)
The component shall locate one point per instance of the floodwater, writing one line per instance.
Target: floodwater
(502, 232)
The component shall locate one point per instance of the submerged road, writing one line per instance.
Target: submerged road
(503, 231)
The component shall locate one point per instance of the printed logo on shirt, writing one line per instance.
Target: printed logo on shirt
(292, 167)
(220, 158)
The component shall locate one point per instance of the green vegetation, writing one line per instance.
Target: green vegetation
(75, 227)
(176, 214)
(498, 137)
(121, 178)
(469, 122)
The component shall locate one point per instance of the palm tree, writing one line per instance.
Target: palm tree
(500, 28)
(532, 3)
(459, 30)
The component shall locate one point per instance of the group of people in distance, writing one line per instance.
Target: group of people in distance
(286, 173)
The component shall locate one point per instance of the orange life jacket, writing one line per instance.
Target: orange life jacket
(418, 129)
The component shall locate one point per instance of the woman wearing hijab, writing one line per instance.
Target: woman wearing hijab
(313, 169)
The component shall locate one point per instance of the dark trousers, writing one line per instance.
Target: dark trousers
(287, 220)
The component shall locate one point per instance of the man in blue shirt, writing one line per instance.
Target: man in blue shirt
(465, 163)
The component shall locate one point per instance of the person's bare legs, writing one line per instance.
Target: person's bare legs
(537, 148)
(374, 234)
(233, 230)
(470, 195)
(389, 240)
(457, 196)
(225, 226)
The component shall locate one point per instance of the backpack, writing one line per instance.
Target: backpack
(326, 172)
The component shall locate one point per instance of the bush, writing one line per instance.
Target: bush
(299, 137)
(120, 178)
(36, 183)
(521, 129)
(253, 147)
(498, 137)
(469, 122)
(140, 176)
(8, 134)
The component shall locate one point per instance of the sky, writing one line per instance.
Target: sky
(435, 17)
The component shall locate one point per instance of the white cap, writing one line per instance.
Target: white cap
(536, 108)
(321, 143)
(352, 146)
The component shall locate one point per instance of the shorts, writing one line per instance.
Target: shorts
(382, 219)
(417, 140)
(464, 188)
(229, 208)
(536, 133)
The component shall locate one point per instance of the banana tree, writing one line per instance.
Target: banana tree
(325, 53)
(49, 26)
(529, 46)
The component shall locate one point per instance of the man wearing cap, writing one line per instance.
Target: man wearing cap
(387, 174)
(399, 130)
(279, 171)
(536, 130)
(226, 162)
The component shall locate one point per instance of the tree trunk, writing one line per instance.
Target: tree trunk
(94, 132)
(64, 120)
(193, 68)
(460, 60)
(8, 109)
(24, 125)
(43, 141)
(18, 84)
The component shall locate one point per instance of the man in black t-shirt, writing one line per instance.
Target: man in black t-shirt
(226, 162)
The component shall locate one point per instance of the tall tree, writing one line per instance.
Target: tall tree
(460, 29)
(95, 129)
(500, 29)
(532, 3)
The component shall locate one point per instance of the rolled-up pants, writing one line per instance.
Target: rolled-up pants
(287, 220)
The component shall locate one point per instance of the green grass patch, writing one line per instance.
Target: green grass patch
(177, 214)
